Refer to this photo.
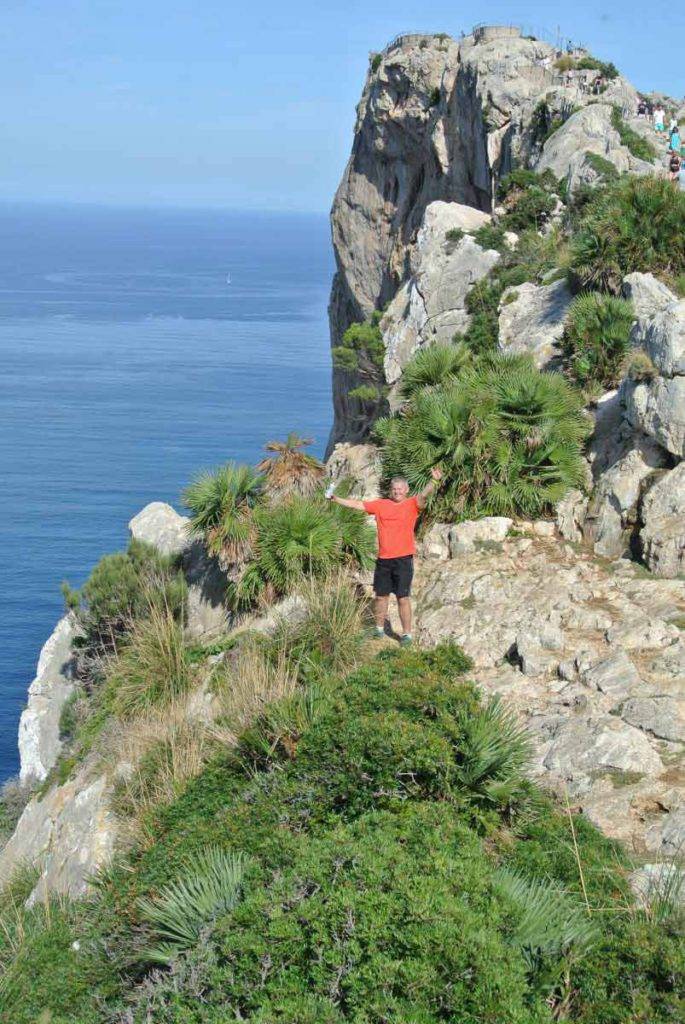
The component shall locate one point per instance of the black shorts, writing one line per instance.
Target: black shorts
(393, 576)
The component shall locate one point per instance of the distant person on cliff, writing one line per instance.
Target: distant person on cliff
(396, 518)
(674, 142)
(659, 118)
(674, 167)
(642, 108)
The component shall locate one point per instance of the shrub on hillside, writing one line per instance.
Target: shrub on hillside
(121, 590)
(221, 504)
(634, 224)
(597, 337)
(507, 437)
(299, 538)
(432, 366)
(640, 147)
(290, 470)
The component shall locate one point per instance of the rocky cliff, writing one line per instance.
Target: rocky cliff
(441, 119)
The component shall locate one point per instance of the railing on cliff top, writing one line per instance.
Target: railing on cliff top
(554, 37)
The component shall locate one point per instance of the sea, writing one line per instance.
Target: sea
(138, 347)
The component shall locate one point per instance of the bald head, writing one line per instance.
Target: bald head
(399, 488)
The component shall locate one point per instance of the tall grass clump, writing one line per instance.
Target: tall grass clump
(633, 224)
(596, 337)
(507, 437)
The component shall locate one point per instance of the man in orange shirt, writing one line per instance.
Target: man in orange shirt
(396, 519)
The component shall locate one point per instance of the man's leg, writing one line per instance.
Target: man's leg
(381, 611)
(404, 607)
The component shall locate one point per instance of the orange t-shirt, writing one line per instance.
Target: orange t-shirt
(395, 521)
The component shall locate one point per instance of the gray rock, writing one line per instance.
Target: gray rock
(586, 131)
(531, 319)
(39, 742)
(207, 615)
(663, 533)
(161, 526)
(663, 337)
(570, 515)
(667, 837)
(472, 533)
(657, 408)
(68, 834)
(588, 746)
(663, 717)
(430, 307)
(358, 463)
(647, 294)
(615, 676)
(435, 543)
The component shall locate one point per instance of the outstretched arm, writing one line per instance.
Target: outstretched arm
(422, 496)
(348, 502)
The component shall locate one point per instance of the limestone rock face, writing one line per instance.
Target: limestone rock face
(471, 533)
(430, 306)
(588, 656)
(68, 834)
(531, 319)
(663, 533)
(647, 294)
(39, 742)
(663, 337)
(161, 526)
(657, 408)
(439, 120)
(359, 463)
(587, 131)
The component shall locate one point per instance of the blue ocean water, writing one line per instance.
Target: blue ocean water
(138, 347)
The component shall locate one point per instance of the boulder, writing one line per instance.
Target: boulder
(663, 717)
(647, 294)
(207, 614)
(69, 834)
(472, 533)
(663, 533)
(39, 740)
(161, 526)
(589, 747)
(531, 319)
(358, 463)
(662, 335)
(570, 515)
(435, 542)
(667, 837)
(430, 307)
(615, 676)
(657, 408)
(658, 882)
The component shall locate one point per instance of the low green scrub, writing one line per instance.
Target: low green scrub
(507, 437)
(640, 147)
(122, 589)
(482, 304)
(604, 168)
(596, 338)
(633, 224)
(607, 69)
(361, 346)
(454, 235)
(391, 863)
(528, 199)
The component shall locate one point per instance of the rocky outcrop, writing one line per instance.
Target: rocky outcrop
(68, 834)
(531, 319)
(39, 734)
(161, 526)
(359, 465)
(568, 152)
(648, 296)
(663, 533)
(430, 307)
(439, 120)
(589, 656)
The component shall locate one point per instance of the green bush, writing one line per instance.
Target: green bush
(433, 365)
(633, 224)
(299, 538)
(607, 69)
(604, 168)
(221, 504)
(640, 147)
(362, 344)
(454, 235)
(597, 337)
(121, 590)
(376, 60)
(491, 236)
(507, 437)
(482, 303)
(365, 393)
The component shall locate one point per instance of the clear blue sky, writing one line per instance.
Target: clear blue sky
(212, 102)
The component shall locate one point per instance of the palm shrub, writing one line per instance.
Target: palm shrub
(211, 886)
(507, 437)
(551, 929)
(433, 365)
(495, 751)
(290, 471)
(300, 538)
(221, 505)
(597, 337)
(634, 224)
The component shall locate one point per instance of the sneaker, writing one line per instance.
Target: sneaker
(406, 640)
(376, 633)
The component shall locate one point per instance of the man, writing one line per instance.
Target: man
(396, 519)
